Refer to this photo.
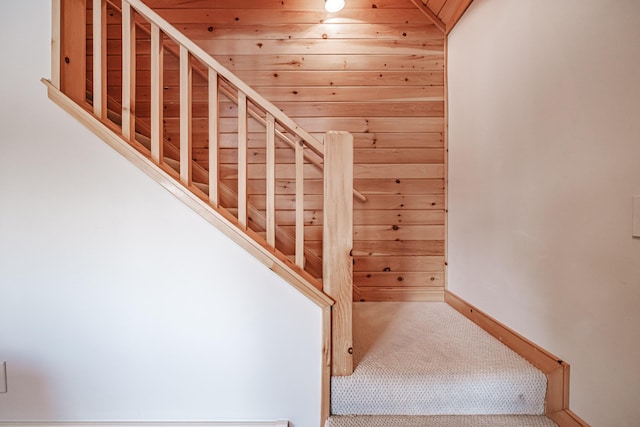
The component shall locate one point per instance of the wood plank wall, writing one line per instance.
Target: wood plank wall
(375, 69)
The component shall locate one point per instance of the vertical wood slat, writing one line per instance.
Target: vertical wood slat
(271, 181)
(128, 71)
(157, 54)
(55, 43)
(99, 58)
(73, 48)
(337, 245)
(186, 78)
(299, 204)
(242, 158)
(214, 115)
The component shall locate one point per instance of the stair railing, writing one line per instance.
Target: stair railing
(335, 155)
(313, 159)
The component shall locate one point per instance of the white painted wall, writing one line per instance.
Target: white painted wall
(544, 160)
(116, 301)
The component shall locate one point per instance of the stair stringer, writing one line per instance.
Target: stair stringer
(168, 178)
(313, 263)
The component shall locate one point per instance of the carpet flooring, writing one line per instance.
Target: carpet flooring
(427, 359)
(440, 421)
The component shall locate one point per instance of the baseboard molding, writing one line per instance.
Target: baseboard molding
(144, 424)
(556, 370)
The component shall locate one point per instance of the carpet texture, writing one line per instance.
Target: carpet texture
(427, 359)
(440, 421)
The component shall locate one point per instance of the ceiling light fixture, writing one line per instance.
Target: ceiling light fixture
(333, 5)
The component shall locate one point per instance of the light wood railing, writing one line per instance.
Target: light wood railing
(312, 156)
(333, 158)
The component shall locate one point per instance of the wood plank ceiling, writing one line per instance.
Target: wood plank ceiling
(375, 69)
(447, 12)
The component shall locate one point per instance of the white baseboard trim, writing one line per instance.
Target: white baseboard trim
(144, 424)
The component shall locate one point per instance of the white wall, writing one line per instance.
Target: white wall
(544, 159)
(116, 301)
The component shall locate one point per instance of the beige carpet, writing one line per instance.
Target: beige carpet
(440, 421)
(427, 359)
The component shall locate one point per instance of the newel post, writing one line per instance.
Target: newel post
(337, 245)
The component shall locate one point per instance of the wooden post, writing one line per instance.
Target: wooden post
(55, 43)
(74, 49)
(128, 72)
(299, 252)
(242, 159)
(186, 78)
(100, 58)
(157, 54)
(214, 115)
(271, 181)
(337, 245)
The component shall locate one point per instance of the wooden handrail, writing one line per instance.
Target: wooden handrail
(316, 147)
(229, 94)
(285, 138)
(313, 263)
(202, 56)
(256, 116)
(187, 60)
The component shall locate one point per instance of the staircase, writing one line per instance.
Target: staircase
(254, 174)
(424, 364)
(394, 364)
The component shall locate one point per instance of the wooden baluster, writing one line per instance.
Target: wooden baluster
(128, 71)
(299, 204)
(242, 158)
(73, 47)
(186, 77)
(157, 73)
(338, 243)
(100, 58)
(214, 114)
(271, 181)
(55, 43)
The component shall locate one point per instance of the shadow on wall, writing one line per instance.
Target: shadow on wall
(29, 395)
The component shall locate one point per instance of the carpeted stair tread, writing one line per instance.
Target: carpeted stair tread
(439, 421)
(427, 359)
